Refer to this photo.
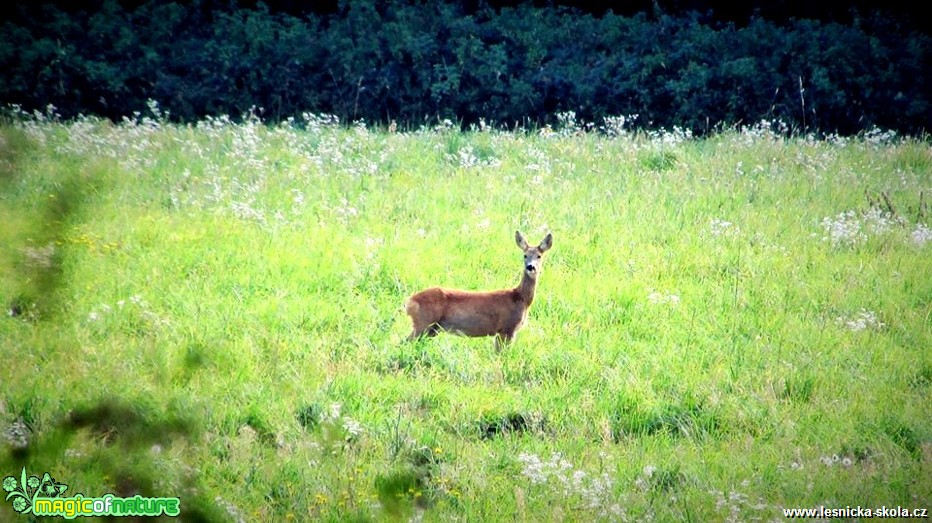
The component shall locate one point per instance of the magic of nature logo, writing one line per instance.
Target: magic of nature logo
(45, 497)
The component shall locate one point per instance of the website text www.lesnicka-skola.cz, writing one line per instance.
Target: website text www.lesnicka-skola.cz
(856, 512)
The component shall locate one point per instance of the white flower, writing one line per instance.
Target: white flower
(232, 510)
(723, 228)
(862, 320)
(595, 492)
(17, 434)
(843, 230)
(533, 468)
(352, 426)
(657, 298)
(921, 235)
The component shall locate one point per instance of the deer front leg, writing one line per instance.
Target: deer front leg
(502, 339)
(429, 331)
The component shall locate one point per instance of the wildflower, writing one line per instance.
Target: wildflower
(568, 123)
(19, 504)
(533, 468)
(615, 125)
(33, 482)
(352, 426)
(657, 298)
(862, 320)
(921, 235)
(17, 434)
(843, 230)
(594, 491)
(232, 510)
(723, 228)
(880, 222)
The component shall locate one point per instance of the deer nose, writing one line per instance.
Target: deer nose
(531, 268)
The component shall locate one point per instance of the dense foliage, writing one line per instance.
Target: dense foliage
(411, 62)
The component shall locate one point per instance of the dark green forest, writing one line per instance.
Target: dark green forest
(420, 62)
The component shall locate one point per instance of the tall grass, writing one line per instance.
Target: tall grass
(725, 327)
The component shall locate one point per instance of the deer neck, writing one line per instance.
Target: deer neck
(526, 288)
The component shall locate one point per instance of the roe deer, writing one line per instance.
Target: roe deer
(499, 313)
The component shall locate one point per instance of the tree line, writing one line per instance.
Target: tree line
(415, 62)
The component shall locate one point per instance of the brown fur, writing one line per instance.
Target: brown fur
(498, 313)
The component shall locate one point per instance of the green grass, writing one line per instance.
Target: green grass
(214, 312)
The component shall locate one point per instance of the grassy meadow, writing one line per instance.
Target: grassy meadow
(724, 327)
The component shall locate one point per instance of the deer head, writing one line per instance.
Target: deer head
(533, 256)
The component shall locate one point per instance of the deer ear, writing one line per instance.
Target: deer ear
(522, 243)
(547, 243)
